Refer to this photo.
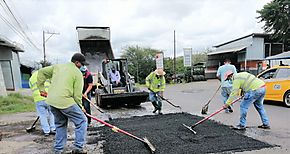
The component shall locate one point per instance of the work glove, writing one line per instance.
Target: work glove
(43, 94)
(226, 106)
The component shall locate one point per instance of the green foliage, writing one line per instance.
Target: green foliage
(16, 102)
(141, 61)
(276, 16)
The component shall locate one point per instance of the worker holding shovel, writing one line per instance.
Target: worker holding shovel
(88, 85)
(43, 109)
(226, 85)
(155, 82)
(65, 99)
(254, 93)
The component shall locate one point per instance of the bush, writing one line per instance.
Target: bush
(15, 102)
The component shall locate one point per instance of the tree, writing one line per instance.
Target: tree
(141, 61)
(276, 16)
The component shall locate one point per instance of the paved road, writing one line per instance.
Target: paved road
(192, 96)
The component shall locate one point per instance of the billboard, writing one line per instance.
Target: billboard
(187, 57)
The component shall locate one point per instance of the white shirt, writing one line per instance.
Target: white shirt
(115, 76)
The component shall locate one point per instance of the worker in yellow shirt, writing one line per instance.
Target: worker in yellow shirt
(254, 92)
(43, 109)
(155, 82)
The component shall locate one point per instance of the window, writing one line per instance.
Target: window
(268, 75)
(283, 73)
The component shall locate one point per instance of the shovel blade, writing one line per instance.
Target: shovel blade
(204, 109)
(189, 128)
(31, 129)
(149, 145)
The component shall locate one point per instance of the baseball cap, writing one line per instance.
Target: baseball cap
(79, 57)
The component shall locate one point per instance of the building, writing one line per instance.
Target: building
(10, 64)
(247, 53)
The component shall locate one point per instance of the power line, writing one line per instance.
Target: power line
(22, 32)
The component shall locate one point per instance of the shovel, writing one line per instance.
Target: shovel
(32, 128)
(99, 109)
(206, 118)
(116, 129)
(165, 99)
(205, 107)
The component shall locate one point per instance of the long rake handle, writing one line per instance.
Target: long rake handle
(114, 128)
(93, 104)
(216, 112)
(212, 96)
(164, 99)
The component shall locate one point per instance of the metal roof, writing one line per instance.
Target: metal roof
(284, 55)
(235, 49)
(14, 47)
(251, 35)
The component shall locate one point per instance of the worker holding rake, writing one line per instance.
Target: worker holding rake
(65, 99)
(155, 82)
(253, 90)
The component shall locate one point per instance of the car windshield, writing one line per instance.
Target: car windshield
(268, 74)
(283, 73)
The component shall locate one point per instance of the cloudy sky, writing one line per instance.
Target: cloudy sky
(199, 24)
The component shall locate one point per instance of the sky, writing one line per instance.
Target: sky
(198, 24)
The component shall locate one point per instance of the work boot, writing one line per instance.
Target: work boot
(52, 132)
(239, 127)
(230, 109)
(264, 126)
(78, 151)
(159, 112)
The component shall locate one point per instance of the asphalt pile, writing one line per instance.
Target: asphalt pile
(168, 135)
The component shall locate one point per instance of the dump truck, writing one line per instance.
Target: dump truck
(95, 44)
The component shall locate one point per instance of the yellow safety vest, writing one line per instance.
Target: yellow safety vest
(246, 82)
(34, 88)
(154, 83)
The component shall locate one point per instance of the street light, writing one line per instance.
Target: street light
(45, 40)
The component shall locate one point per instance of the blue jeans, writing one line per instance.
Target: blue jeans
(46, 117)
(87, 106)
(255, 97)
(225, 92)
(76, 115)
(156, 101)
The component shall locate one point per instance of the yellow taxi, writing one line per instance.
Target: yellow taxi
(277, 81)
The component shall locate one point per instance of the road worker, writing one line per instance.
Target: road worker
(65, 99)
(226, 85)
(155, 82)
(43, 109)
(88, 85)
(253, 90)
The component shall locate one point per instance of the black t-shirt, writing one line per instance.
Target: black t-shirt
(88, 79)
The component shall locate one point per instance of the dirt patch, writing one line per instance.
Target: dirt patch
(168, 135)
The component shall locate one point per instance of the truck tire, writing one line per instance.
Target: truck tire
(98, 98)
(286, 98)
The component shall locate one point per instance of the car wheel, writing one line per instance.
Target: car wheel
(286, 99)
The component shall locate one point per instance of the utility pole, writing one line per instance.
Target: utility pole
(44, 41)
(174, 59)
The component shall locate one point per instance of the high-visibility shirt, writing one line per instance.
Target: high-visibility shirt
(246, 82)
(34, 88)
(154, 83)
(66, 85)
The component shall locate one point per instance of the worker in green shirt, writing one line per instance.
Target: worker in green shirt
(65, 98)
(254, 92)
(155, 82)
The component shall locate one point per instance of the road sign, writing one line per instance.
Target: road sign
(159, 60)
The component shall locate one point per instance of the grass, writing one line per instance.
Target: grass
(15, 102)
